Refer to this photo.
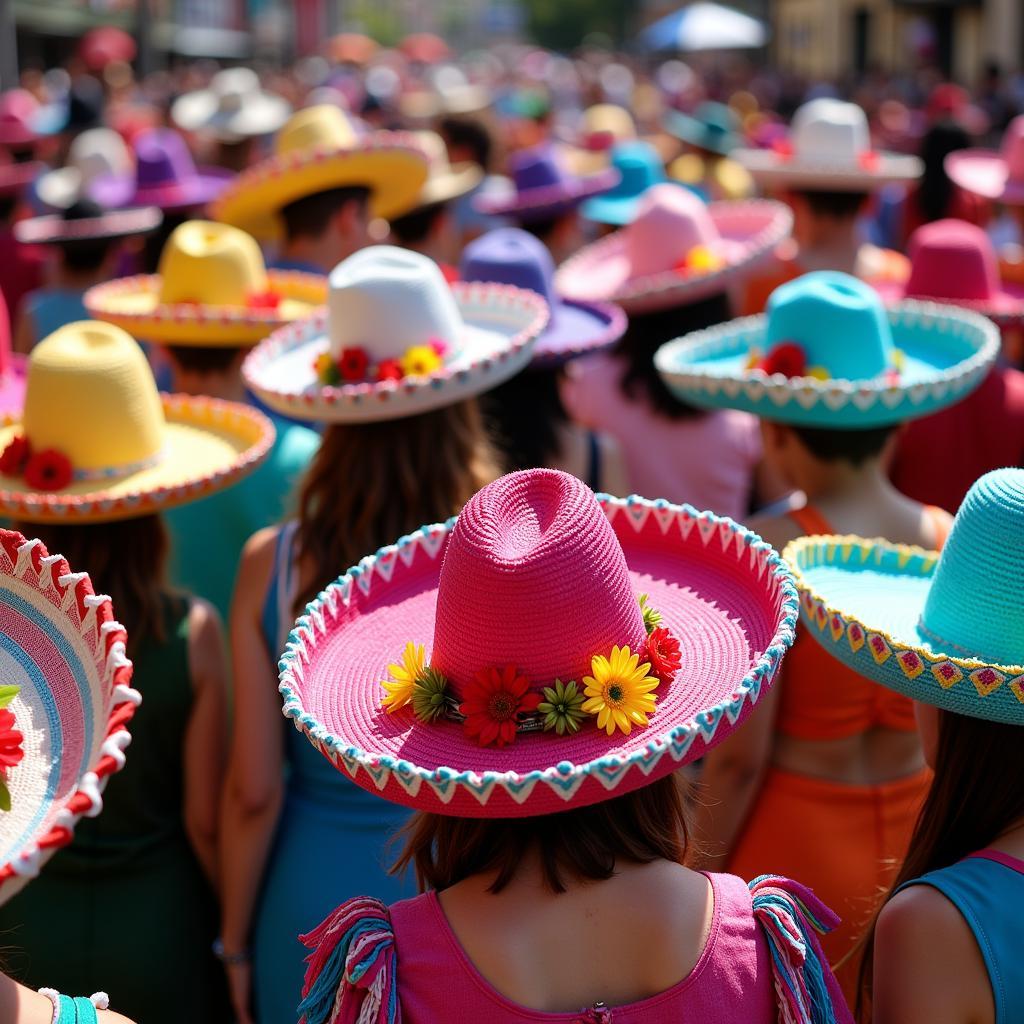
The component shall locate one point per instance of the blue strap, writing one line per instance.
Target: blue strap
(66, 1012)
(85, 1011)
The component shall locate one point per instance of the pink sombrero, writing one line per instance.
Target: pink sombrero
(993, 175)
(489, 636)
(676, 250)
(954, 262)
(65, 701)
(12, 371)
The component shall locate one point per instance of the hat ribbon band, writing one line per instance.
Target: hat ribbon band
(121, 470)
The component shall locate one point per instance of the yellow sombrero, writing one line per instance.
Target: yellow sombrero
(97, 442)
(318, 150)
(212, 290)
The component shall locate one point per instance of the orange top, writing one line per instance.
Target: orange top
(821, 698)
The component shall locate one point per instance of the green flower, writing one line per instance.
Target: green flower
(652, 617)
(562, 707)
(429, 695)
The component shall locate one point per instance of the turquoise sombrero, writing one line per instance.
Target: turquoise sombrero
(828, 354)
(945, 629)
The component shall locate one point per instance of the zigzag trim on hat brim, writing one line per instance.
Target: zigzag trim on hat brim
(89, 617)
(962, 684)
(856, 404)
(655, 755)
(52, 228)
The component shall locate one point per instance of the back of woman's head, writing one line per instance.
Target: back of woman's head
(525, 417)
(646, 333)
(583, 844)
(370, 483)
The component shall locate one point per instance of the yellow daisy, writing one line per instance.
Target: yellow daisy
(620, 692)
(399, 687)
(420, 361)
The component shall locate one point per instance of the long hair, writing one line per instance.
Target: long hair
(525, 417)
(585, 844)
(973, 799)
(126, 560)
(646, 333)
(370, 483)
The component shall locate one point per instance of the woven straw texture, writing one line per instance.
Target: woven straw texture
(58, 642)
(542, 575)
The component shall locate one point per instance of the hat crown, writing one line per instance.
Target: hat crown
(386, 300)
(609, 119)
(510, 256)
(640, 167)
(436, 151)
(210, 264)
(838, 320)
(1012, 148)
(536, 168)
(669, 223)
(91, 395)
(533, 576)
(830, 131)
(99, 151)
(974, 602)
(162, 158)
(231, 87)
(717, 119)
(319, 127)
(951, 259)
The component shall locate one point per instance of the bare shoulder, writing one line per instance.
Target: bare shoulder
(920, 919)
(205, 642)
(255, 566)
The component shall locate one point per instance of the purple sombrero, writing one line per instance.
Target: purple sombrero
(513, 256)
(165, 177)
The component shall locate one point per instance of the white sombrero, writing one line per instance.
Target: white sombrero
(233, 107)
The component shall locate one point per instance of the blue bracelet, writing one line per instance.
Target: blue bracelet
(79, 1010)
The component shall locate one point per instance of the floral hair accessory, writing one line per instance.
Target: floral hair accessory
(353, 364)
(12, 743)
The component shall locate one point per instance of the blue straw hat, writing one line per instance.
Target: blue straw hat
(639, 167)
(945, 629)
(828, 354)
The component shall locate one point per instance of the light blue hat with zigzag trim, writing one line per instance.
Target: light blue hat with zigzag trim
(943, 629)
(828, 354)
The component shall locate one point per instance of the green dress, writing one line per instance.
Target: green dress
(126, 908)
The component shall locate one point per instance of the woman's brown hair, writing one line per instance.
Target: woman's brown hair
(586, 843)
(974, 798)
(370, 483)
(126, 560)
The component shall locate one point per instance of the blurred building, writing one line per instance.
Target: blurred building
(836, 38)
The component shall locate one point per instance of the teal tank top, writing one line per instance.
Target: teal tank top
(988, 890)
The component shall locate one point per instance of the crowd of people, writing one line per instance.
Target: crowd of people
(326, 389)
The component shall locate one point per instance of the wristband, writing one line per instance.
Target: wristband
(75, 1011)
(243, 956)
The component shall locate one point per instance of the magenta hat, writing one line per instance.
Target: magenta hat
(165, 176)
(954, 262)
(543, 187)
(513, 256)
(547, 649)
(676, 250)
(12, 371)
(18, 111)
(16, 177)
(990, 174)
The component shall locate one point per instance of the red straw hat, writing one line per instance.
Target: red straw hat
(529, 652)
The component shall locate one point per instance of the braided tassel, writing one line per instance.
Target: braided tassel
(789, 915)
(350, 977)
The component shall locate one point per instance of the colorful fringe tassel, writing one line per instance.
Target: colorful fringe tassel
(789, 915)
(351, 974)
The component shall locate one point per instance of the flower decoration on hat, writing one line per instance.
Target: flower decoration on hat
(353, 364)
(46, 470)
(620, 690)
(403, 677)
(700, 260)
(12, 743)
(494, 702)
(789, 359)
(562, 707)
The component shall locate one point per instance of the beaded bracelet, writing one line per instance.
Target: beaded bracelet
(78, 1010)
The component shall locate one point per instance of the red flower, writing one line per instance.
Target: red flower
(787, 358)
(48, 470)
(868, 161)
(389, 369)
(663, 653)
(353, 363)
(493, 702)
(439, 346)
(15, 455)
(784, 148)
(11, 739)
(267, 300)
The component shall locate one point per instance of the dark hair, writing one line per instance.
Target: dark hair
(973, 799)
(646, 333)
(840, 205)
(84, 256)
(936, 190)
(646, 825)
(310, 216)
(461, 131)
(524, 416)
(201, 359)
(544, 228)
(414, 228)
(854, 446)
(126, 560)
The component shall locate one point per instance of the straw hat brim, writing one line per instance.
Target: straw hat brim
(501, 325)
(389, 164)
(725, 595)
(210, 445)
(1005, 307)
(459, 180)
(862, 600)
(947, 352)
(538, 202)
(133, 303)
(603, 271)
(261, 113)
(52, 229)
(985, 173)
(774, 170)
(423, 105)
(64, 650)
